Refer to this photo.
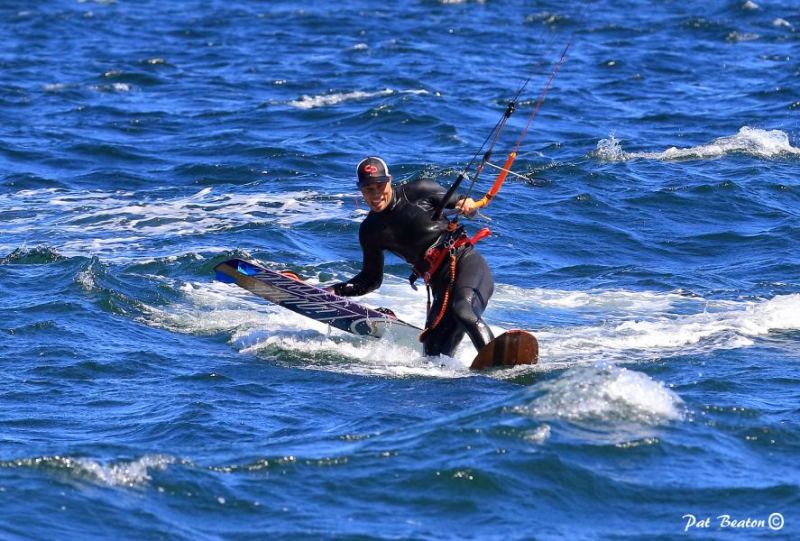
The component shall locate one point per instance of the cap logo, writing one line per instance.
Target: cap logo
(371, 169)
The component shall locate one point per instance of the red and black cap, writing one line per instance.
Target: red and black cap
(371, 170)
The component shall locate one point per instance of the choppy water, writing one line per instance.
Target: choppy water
(654, 252)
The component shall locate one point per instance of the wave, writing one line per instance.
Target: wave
(113, 87)
(326, 100)
(751, 141)
(122, 473)
(36, 255)
(605, 393)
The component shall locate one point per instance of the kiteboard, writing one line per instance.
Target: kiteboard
(511, 348)
(289, 291)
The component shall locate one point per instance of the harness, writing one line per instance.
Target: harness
(451, 243)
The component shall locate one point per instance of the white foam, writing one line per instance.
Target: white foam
(114, 87)
(210, 308)
(258, 327)
(604, 393)
(606, 301)
(721, 325)
(610, 326)
(736, 37)
(538, 435)
(104, 222)
(85, 279)
(363, 357)
(311, 102)
(54, 87)
(326, 100)
(753, 141)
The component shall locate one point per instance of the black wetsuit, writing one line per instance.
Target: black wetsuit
(406, 228)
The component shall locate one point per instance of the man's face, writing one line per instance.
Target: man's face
(377, 195)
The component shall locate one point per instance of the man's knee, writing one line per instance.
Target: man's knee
(464, 310)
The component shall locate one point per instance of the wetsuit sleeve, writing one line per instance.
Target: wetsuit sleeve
(371, 275)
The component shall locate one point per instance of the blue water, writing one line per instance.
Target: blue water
(654, 248)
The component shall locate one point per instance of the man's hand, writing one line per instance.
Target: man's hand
(467, 207)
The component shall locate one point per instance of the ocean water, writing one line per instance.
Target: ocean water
(653, 247)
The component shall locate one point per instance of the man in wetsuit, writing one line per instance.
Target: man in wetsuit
(401, 221)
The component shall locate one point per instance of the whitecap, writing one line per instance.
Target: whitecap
(124, 473)
(54, 87)
(326, 100)
(86, 280)
(753, 141)
(604, 393)
(539, 435)
(115, 87)
(736, 37)
(121, 473)
(311, 102)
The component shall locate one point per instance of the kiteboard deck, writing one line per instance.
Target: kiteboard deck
(511, 348)
(300, 297)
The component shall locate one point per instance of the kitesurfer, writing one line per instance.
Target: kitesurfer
(401, 220)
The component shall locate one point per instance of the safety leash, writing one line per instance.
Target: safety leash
(445, 301)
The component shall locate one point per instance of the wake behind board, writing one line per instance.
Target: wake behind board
(511, 348)
(315, 303)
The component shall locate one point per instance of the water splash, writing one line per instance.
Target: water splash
(610, 150)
